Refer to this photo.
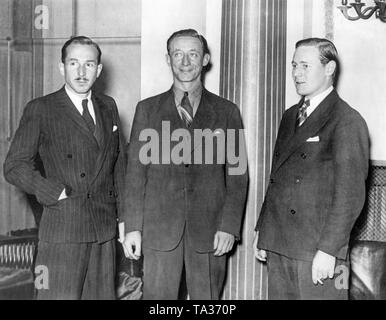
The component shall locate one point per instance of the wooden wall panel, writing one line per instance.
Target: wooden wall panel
(253, 76)
(19, 63)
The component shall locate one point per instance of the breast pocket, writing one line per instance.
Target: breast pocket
(316, 151)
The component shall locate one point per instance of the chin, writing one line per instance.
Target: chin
(185, 79)
(301, 92)
(82, 90)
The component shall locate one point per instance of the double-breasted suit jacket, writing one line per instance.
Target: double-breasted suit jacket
(317, 182)
(165, 199)
(92, 166)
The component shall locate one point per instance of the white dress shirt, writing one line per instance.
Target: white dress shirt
(315, 101)
(77, 101)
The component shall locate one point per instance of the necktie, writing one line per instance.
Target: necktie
(87, 116)
(186, 110)
(302, 114)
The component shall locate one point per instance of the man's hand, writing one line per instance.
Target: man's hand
(223, 243)
(323, 267)
(260, 254)
(132, 245)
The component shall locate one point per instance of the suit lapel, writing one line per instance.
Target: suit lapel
(68, 109)
(103, 132)
(204, 119)
(168, 111)
(310, 127)
(205, 115)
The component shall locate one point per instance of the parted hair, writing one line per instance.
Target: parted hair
(80, 40)
(188, 33)
(327, 51)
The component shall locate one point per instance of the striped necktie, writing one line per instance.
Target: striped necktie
(186, 110)
(302, 114)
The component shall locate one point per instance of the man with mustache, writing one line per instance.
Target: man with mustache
(185, 215)
(317, 184)
(77, 133)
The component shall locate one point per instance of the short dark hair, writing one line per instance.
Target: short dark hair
(188, 33)
(327, 51)
(80, 40)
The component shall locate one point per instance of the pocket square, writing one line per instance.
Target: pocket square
(115, 128)
(313, 139)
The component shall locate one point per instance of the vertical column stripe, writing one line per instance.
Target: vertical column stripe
(253, 76)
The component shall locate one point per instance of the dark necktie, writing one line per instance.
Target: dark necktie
(186, 110)
(87, 116)
(302, 114)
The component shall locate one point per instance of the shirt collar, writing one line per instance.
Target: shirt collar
(194, 95)
(315, 101)
(75, 98)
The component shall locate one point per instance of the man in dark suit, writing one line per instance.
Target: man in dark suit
(184, 207)
(317, 184)
(78, 136)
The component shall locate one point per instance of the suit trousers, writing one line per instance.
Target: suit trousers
(163, 270)
(77, 270)
(291, 279)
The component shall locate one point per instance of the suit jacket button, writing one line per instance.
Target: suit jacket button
(82, 175)
(186, 166)
(297, 180)
(293, 211)
(69, 156)
(271, 180)
(88, 195)
(303, 155)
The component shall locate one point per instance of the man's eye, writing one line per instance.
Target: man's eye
(193, 55)
(178, 54)
(90, 65)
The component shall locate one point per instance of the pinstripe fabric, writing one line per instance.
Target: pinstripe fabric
(68, 279)
(52, 127)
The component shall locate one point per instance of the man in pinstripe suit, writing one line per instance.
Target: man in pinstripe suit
(78, 136)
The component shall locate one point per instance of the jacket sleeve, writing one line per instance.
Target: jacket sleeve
(236, 175)
(19, 168)
(120, 165)
(350, 149)
(135, 177)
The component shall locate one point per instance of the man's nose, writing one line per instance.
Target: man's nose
(185, 60)
(82, 70)
(297, 72)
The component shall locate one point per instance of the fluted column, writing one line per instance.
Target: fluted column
(253, 76)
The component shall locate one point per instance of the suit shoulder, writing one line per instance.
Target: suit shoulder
(39, 105)
(150, 103)
(220, 102)
(153, 99)
(346, 113)
(105, 98)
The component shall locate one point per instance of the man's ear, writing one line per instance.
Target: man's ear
(330, 68)
(167, 59)
(206, 59)
(61, 68)
(99, 70)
